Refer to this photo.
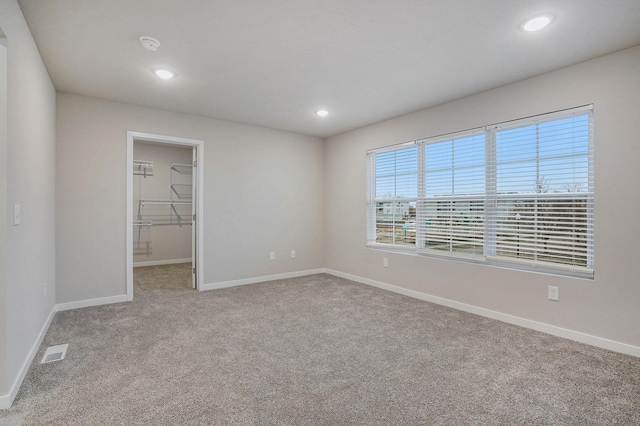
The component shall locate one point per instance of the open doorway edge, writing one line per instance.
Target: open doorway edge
(199, 170)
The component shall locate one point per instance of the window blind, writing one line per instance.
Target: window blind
(452, 208)
(395, 195)
(519, 193)
(544, 192)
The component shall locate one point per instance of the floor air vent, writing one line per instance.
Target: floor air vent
(54, 353)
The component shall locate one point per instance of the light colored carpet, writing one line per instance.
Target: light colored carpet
(316, 350)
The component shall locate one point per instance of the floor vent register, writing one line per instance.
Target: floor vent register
(54, 353)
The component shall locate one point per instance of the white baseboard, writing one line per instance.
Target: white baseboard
(7, 400)
(161, 262)
(255, 280)
(511, 319)
(91, 302)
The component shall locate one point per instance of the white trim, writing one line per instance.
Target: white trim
(7, 400)
(577, 336)
(91, 302)
(450, 136)
(161, 262)
(393, 147)
(541, 118)
(148, 137)
(255, 280)
(129, 218)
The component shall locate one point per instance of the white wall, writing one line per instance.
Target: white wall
(165, 242)
(30, 173)
(273, 179)
(607, 306)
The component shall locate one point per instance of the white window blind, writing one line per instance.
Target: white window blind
(519, 193)
(395, 194)
(452, 209)
(544, 192)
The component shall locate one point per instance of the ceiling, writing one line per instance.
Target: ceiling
(273, 63)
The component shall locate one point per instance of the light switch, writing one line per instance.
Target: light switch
(16, 214)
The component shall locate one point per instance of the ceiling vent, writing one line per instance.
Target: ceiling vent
(150, 43)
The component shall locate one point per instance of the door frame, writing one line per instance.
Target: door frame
(199, 196)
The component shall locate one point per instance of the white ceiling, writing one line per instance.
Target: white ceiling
(273, 63)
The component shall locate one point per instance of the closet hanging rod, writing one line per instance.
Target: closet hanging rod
(165, 202)
(144, 168)
(148, 223)
(151, 223)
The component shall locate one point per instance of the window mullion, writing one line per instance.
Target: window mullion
(540, 188)
(421, 216)
(491, 201)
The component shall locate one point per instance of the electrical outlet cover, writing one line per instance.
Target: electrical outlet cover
(554, 293)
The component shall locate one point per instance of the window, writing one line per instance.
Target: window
(453, 205)
(395, 178)
(519, 193)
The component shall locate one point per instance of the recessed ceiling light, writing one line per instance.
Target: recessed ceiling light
(322, 112)
(537, 23)
(166, 74)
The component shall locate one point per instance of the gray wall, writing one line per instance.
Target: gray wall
(263, 191)
(607, 306)
(4, 224)
(169, 242)
(30, 173)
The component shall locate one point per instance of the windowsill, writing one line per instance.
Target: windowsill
(481, 260)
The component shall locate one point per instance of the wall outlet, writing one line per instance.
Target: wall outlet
(293, 254)
(385, 262)
(272, 255)
(554, 293)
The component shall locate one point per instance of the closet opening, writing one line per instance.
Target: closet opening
(164, 209)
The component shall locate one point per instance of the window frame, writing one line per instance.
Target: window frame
(372, 200)
(489, 199)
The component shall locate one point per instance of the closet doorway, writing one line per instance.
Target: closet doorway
(164, 205)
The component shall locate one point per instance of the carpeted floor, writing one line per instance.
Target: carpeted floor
(316, 350)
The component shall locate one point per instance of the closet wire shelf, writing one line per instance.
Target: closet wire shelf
(153, 212)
